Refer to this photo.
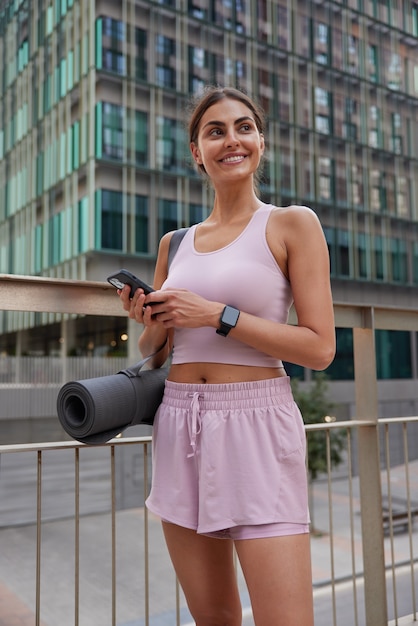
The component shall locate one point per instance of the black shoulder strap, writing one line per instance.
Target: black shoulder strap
(175, 241)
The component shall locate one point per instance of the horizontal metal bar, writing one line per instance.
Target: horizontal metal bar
(55, 295)
(123, 441)
(340, 424)
(65, 445)
(398, 420)
(59, 295)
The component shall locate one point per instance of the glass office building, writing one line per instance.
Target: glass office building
(94, 163)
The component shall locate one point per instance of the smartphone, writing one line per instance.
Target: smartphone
(123, 277)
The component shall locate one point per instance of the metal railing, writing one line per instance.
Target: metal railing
(60, 516)
(372, 534)
(55, 370)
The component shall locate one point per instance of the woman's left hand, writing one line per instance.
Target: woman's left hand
(180, 308)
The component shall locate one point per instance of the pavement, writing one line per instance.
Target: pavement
(58, 587)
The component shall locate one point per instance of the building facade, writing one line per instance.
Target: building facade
(94, 162)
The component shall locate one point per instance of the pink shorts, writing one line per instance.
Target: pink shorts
(230, 456)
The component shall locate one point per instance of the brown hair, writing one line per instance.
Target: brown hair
(212, 95)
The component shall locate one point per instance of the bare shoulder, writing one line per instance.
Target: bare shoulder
(164, 245)
(161, 266)
(294, 221)
(165, 240)
(295, 214)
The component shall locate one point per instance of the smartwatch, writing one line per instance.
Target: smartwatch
(228, 320)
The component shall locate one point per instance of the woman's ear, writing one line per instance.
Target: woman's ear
(262, 143)
(196, 153)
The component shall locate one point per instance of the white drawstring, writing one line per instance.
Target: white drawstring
(194, 423)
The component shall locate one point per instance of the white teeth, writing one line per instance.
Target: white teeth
(233, 159)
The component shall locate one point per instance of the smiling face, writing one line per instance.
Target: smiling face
(228, 143)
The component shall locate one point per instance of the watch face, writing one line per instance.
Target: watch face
(230, 316)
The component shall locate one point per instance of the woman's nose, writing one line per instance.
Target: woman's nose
(231, 138)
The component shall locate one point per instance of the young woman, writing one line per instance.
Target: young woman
(229, 442)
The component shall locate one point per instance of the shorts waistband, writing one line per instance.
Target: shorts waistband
(268, 392)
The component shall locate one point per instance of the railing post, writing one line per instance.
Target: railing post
(369, 472)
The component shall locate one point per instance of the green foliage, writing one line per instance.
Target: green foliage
(315, 406)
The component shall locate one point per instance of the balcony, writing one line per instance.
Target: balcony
(77, 549)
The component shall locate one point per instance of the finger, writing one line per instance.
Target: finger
(124, 295)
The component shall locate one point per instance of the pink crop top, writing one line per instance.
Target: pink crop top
(243, 274)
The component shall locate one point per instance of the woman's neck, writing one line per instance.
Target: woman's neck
(230, 203)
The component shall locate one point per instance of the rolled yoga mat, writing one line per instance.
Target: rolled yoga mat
(97, 409)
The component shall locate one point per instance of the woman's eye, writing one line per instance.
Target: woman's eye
(215, 131)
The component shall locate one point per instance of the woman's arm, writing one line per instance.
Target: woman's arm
(297, 239)
(154, 334)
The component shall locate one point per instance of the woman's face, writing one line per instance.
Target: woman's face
(229, 144)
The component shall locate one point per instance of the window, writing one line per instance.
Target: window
(198, 57)
(402, 196)
(415, 262)
(393, 70)
(114, 30)
(351, 55)
(396, 140)
(393, 354)
(75, 131)
(47, 93)
(362, 256)
(141, 138)
(112, 129)
(322, 124)
(167, 216)
(375, 138)
(113, 37)
(120, 131)
(54, 239)
(323, 107)
(326, 178)
(282, 25)
(38, 265)
(114, 62)
(165, 76)
(141, 65)
(110, 206)
(322, 45)
(83, 225)
(165, 46)
(415, 20)
(324, 187)
(330, 238)
(197, 9)
(356, 186)
(379, 259)
(171, 144)
(399, 261)
(39, 174)
(343, 252)
(23, 55)
(199, 72)
(372, 68)
(378, 191)
(321, 97)
(141, 224)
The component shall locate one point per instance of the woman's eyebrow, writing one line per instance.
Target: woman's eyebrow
(219, 123)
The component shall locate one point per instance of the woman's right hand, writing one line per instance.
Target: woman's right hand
(135, 306)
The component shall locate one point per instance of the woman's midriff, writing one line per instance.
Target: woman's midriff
(219, 373)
